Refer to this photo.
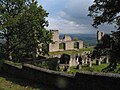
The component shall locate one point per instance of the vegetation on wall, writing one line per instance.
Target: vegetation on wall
(75, 39)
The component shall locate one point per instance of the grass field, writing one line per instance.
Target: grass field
(94, 68)
(72, 51)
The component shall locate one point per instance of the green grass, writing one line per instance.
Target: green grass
(72, 51)
(10, 82)
(94, 68)
(7, 83)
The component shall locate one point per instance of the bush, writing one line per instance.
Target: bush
(51, 64)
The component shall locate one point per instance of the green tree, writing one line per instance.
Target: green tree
(23, 23)
(75, 39)
(105, 11)
(108, 11)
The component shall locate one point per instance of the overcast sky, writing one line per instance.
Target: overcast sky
(70, 16)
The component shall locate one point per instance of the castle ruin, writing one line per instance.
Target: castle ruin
(63, 44)
(100, 35)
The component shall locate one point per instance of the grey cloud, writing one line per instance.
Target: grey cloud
(77, 11)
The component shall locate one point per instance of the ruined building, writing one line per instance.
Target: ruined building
(100, 35)
(63, 44)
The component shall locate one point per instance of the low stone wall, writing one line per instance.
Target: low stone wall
(11, 69)
(48, 77)
(98, 81)
(51, 78)
(81, 81)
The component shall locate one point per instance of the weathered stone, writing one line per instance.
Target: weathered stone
(99, 35)
(86, 61)
(55, 34)
(68, 43)
(98, 62)
(79, 66)
(82, 62)
(67, 38)
(106, 60)
(68, 69)
(90, 63)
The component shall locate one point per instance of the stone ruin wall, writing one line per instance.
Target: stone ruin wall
(54, 46)
(67, 38)
(99, 35)
(69, 44)
(80, 44)
(55, 34)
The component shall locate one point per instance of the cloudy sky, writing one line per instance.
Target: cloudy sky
(70, 16)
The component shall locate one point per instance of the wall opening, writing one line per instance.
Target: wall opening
(62, 46)
(76, 45)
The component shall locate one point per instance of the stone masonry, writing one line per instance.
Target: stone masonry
(67, 42)
(100, 35)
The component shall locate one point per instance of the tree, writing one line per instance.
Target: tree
(103, 47)
(75, 39)
(108, 11)
(105, 11)
(23, 23)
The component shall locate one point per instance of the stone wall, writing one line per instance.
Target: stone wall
(81, 81)
(98, 81)
(99, 35)
(73, 61)
(54, 46)
(69, 45)
(67, 38)
(55, 34)
(80, 44)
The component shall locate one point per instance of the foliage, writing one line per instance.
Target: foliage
(103, 47)
(76, 45)
(51, 64)
(75, 39)
(107, 11)
(23, 22)
(64, 59)
(61, 46)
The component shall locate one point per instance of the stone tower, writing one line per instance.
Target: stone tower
(99, 35)
(55, 34)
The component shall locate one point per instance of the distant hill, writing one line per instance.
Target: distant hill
(87, 38)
